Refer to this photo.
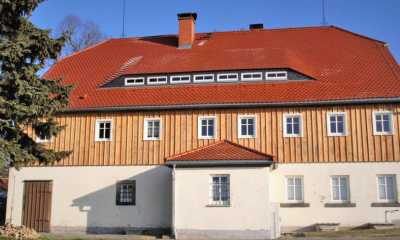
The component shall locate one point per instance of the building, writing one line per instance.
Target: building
(223, 134)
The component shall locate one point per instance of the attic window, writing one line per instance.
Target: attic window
(251, 76)
(180, 79)
(281, 75)
(157, 80)
(227, 77)
(134, 81)
(204, 78)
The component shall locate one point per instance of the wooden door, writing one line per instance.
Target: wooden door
(37, 205)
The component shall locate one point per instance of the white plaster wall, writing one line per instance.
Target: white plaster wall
(363, 192)
(85, 196)
(249, 208)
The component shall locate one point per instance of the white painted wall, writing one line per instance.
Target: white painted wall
(317, 192)
(85, 196)
(249, 210)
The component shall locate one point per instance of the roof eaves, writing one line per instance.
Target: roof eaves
(215, 163)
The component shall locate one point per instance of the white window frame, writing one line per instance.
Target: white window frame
(228, 79)
(134, 83)
(172, 81)
(157, 77)
(200, 118)
(395, 199)
(97, 128)
(219, 203)
(391, 124)
(276, 78)
(287, 115)
(45, 140)
(145, 130)
(239, 124)
(328, 122)
(287, 189)
(203, 75)
(347, 189)
(252, 77)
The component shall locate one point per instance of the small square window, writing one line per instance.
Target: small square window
(206, 127)
(294, 189)
(126, 193)
(247, 126)
(292, 125)
(340, 188)
(383, 123)
(103, 130)
(336, 124)
(220, 190)
(152, 129)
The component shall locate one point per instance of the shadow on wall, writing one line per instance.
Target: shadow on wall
(152, 209)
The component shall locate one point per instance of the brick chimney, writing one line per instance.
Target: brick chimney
(187, 23)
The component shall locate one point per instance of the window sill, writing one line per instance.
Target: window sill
(294, 205)
(385, 204)
(340, 205)
(217, 206)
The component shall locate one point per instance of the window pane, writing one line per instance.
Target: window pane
(382, 192)
(250, 121)
(296, 120)
(335, 192)
(390, 188)
(203, 130)
(291, 192)
(378, 117)
(107, 133)
(299, 192)
(379, 126)
(340, 127)
(343, 189)
(108, 125)
(289, 128)
(385, 117)
(101, 133)
(296, 128)
(243, 121)
(243, 130)
(333, 127)
(210, 131)
(386, 126)
(251, 130)
(156, 133)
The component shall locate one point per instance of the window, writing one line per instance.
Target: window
(340, 188)
(103, 130)
(152, 129)
(336, 124)
(227, 77)
(383, 124)
(204, 78)
(220, 190)
(387, 188)
(134, 81)
(126, 192)
(180, 79)
(251, 76)
(247, 126)
(43, 138)
(294, 188)
(206, 127)
(281, 75)
(292, 125)
(157, 80)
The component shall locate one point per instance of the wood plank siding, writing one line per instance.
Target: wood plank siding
(179, 134)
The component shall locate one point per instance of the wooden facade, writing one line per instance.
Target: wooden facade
(179, 134)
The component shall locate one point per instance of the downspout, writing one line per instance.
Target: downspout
(173, 202)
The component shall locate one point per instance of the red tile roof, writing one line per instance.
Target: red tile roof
(343, 66)
(221, 150)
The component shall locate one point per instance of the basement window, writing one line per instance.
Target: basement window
(134, 81)
(103, 130)
(157, 80)
(281, 75)
(227, 77)
(180, 79)
(252, 76)
(203, 78)
(126, 192)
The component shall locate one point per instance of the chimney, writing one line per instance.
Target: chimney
(187, 22)
(256, 26)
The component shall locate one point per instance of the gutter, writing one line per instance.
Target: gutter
(213, 163)
(235, 105)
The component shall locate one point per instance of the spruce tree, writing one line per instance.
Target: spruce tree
(26, 99)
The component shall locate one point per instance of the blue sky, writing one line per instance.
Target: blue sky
(378, 19)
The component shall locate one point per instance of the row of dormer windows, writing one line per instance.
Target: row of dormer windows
(292, 126)
(207, 78)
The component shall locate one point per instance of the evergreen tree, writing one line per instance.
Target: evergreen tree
(26, 99)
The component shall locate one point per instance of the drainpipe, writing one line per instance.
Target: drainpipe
(173, 202)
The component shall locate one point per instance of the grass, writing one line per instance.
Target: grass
(359, 234)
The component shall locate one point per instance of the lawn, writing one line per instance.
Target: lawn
(387, 234)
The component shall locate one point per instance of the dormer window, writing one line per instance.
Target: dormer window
(252, 76)
(227, 77)
(203, 78)
(281, 75)
(157, 80)
(180, 79)
(129, 81)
